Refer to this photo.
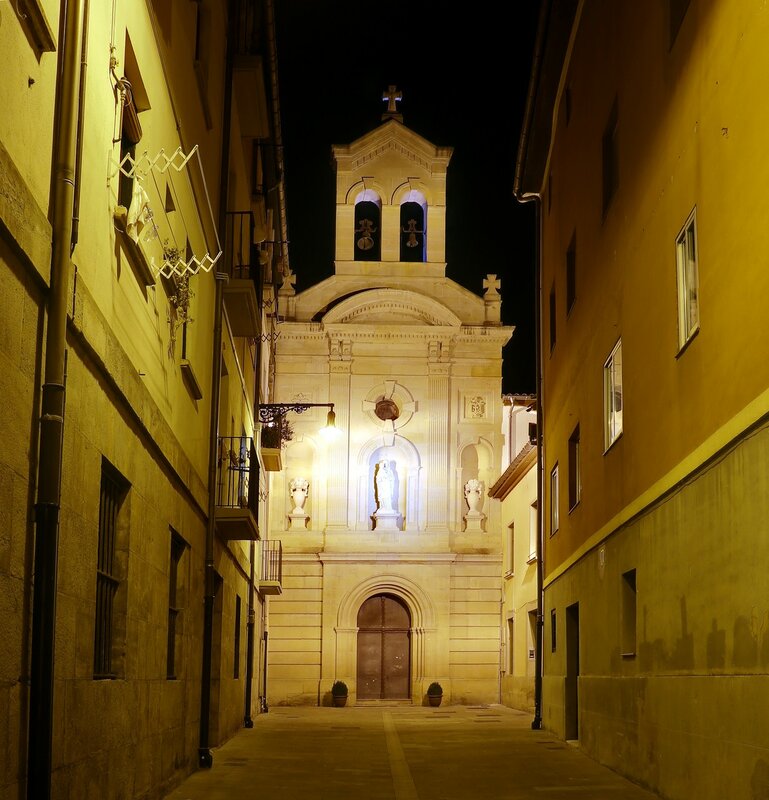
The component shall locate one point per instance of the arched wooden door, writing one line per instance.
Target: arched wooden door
(384, 649)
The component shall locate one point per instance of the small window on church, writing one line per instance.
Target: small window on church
(412, 232)
(368, 239)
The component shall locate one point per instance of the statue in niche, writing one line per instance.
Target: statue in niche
(300, 488)
(384, 486)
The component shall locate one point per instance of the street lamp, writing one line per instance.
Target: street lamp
(270, 412)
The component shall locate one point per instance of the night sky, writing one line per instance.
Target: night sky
(464, 79)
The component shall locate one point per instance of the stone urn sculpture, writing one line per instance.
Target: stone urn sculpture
(299, 488)
(474, 498)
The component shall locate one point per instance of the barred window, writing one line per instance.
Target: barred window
(178, 547)
(114, 490)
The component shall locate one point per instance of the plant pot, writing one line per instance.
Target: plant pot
(434, 699)
(339, 700)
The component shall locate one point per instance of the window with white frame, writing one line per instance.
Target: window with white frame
(510, 554)
(532, 532)
(688, 282)
(554, 502)
(612, 390)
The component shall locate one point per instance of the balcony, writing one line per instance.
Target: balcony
(271, 575)
(251, 68)
(237, 489)
(241, 263)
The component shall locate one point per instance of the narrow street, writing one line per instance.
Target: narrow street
(402, 753)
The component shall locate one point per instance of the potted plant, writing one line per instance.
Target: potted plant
(339, 693)
(434, 693)
(274, 435)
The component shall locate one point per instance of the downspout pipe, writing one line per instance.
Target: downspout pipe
(205, 756)
(49, 466)
(536, 723)
(248, 721)
(80, 126)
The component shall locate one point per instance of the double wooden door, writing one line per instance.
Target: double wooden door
(384, 649)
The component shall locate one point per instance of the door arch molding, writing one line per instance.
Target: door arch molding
(423, 625)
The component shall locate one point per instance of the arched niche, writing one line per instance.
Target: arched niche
(404, 461)
(475, 459)
(300, 461)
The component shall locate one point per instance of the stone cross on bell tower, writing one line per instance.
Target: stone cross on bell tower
(392, 96)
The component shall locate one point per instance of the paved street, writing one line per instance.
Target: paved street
(402, 752)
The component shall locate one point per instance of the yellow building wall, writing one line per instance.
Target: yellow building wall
(677, 498)
(689, 135)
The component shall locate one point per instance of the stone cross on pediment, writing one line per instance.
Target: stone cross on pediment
(392, 95)
(491, 284)
(287, 287)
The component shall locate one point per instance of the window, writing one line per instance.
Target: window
(610, 158)
(110, 573)
(629, 605)
(533, 527)
(531, 642)
(510, 554)
(575, 478)
(612, 389)
(688, 283)
(510, 644)
(236, 659)
(553, 631)
(571, 273)
(134, 100)
(554, 500)
(552, 317)
(178, 547)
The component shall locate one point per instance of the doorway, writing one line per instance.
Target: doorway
(384, 649)
(572, 672)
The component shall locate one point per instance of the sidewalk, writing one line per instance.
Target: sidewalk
(402, 753)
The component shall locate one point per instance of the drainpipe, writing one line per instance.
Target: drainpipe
(49, 467)
(538, 654)
(205, 757)
(80, 125)
(248, 721)
(265, 707)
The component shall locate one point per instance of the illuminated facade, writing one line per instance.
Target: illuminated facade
(516, 492)
(643, 149)
(391, 574)
(129, 554)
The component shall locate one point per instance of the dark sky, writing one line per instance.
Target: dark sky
(464, 77)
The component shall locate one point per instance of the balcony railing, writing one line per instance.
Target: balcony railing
(271, 576)
(272, 560)
(241, 255)
(243, 292)
(237, 488)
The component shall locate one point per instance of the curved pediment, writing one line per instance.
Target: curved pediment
(391, 307)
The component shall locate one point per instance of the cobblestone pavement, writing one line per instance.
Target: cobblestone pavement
(402, 753)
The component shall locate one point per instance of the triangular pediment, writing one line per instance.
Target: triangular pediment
(392, 137)
(391, 307)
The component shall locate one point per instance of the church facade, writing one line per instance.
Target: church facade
(391, 546)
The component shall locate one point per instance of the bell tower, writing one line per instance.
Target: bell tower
(391, 201)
